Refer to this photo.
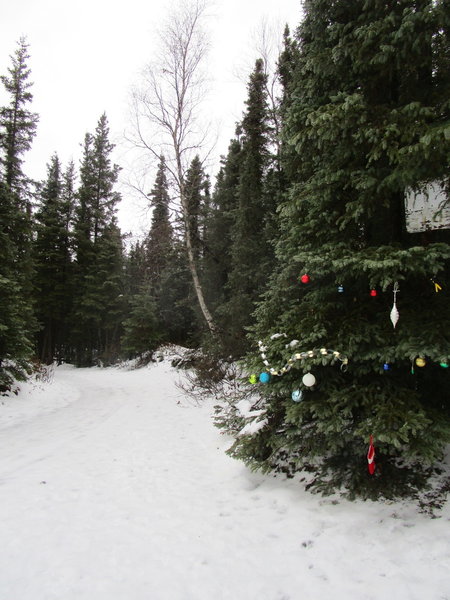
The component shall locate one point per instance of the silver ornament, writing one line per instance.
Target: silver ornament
(395, 315)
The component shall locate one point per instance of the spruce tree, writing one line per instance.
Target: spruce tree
(17, 123)
(15, 336)
(367, 120)
(107, 289)
(17, 129)
(142, 333)
(53, 285)
(146, 264)
(197, 200)
(136, 268)
(218, 240)
(178, 310)
(251, 251)
(159, 241)
(98, 252)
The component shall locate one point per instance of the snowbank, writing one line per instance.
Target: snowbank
(116, 486)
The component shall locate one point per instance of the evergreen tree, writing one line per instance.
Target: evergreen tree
(368, 118)
(136, 268)
(147, 263)
(53, 266)
(197, 200)
(17, 129)
(98, 252)
(107, 289)
(219, 224)
(17, 123)
(251, 251)
(15, 338)
(178, 310)
(142, 333)
(159, 284)
(160, 239)
(286, 64)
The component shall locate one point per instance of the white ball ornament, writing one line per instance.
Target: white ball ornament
(308, 379)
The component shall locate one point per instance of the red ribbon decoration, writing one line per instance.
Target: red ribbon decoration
(371, 457)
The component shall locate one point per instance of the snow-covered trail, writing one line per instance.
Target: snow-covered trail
(113, 486)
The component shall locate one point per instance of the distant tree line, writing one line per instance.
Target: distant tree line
(72, 291)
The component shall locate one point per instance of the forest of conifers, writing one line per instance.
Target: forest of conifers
(300, 242)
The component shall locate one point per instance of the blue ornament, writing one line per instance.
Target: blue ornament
(264, 377)
(340, 288)
(297, 395)
(386, 367)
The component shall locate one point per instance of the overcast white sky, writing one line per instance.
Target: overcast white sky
(86, 55)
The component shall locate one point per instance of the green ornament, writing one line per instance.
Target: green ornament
(444, 364)
(253, 378)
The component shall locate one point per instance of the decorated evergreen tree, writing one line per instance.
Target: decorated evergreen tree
(354, 329)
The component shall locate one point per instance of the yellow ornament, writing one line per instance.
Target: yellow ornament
(421, 362)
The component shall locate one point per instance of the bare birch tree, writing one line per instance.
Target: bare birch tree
(167, 108)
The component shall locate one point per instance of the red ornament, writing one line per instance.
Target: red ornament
(371, 457)
(373, 293)
(305, 278)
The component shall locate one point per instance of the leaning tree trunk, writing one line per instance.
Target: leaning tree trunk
(192, 264)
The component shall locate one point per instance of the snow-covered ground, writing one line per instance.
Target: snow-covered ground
(115, 486)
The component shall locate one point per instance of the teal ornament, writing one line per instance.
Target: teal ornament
(297, 395)
(444, 364)
(264, 377)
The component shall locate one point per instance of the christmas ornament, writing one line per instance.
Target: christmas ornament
(373, 293)
(264, 377)
(297, 395)
(308, 379)
(253, 378)
(443, 364)
(394, 312)
(437, 287)
(340, 289)
(371, 457)
(386, 367)
(298, 356)
(420, 362)
(305, 278)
